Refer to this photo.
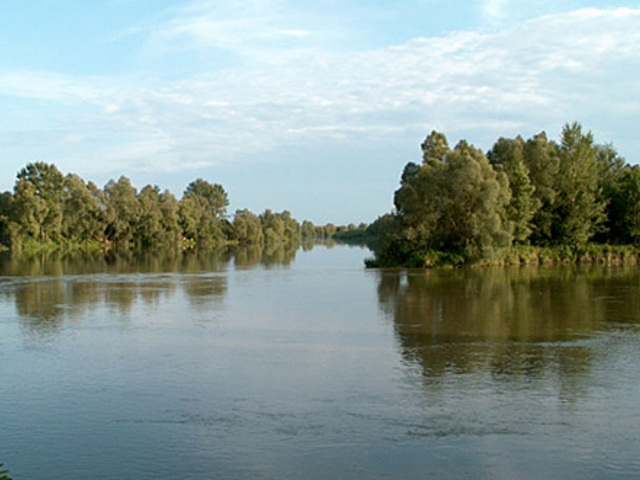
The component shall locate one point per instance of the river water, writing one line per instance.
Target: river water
(307, 366)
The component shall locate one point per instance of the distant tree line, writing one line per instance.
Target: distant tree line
(467, 204)
(47, 208)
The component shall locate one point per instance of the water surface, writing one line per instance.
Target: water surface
(307, 366)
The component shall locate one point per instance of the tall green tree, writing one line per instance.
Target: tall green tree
(148, 229)
(247, 228)
(455, 201)
(6, 203)
(170, 219)
(542, 160)
(613, 170)
(625, 202)
(45, 182)
(580, 208)
(435, 148)
(215, 195)
(292, 230)
(308, 230)
(84, 210)
(508, 156)
(123, 211)
(202, 213)
(273, 227)
(28, 213)
(473, 218)
(158, 224)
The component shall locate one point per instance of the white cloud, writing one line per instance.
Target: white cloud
(246, 28)
(582, 65)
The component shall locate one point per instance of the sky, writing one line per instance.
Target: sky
(313, 107)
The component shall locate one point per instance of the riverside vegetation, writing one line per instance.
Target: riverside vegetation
(48, 211)
(523, 202)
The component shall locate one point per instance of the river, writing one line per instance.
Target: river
(304, 365)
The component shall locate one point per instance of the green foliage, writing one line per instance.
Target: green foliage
(625, 200)
(454, 202)
(6, 204)
(37, 205)
(4, 473)
(459, 204)
(28, 214)
(50, 212)
(158, 224)
(580, 210)
(280, 228)
(542, 160)
(199, 221)
(354, 234)
(618, 186)
(123, 211)
(308, 230)
(390, 246)
(202, 213)
(47, 184)
(169, 219)
(211, 197)
(508, 156)
(247, 228)
(84, 210)
(435, 148)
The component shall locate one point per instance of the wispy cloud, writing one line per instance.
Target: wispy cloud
(245, 28)
(544, 72)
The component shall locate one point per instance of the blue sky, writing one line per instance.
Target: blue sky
(313, 107)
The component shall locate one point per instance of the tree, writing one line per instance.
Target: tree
(473, 218)
(508, 156)
(308, 230)
(435, 148)
(542, 160)
(148, 229)
(216, 197)
(170, 219)
(84, 210)
(45, 182)
(280, 228)
(291, 228)
(158, 225)
(123, 210)
(247, 228)
(202, 213)
(625, 200)
(28, 213)
(612, 185)
(580, 208)
(199, 223)
(455, 202)
(330, 230)
(6, 203)
(273, 227)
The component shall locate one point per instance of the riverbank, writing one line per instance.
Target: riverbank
(592, 254)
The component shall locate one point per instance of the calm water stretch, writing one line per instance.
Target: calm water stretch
(311, 367)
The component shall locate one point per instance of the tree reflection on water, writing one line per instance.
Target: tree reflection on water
(4, 474)
(525, 322)
(49, 289)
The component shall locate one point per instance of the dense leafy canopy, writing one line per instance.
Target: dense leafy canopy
(49, 209)
(466, 204)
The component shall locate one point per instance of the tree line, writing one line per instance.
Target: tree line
(463, 204)
(49, 209)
